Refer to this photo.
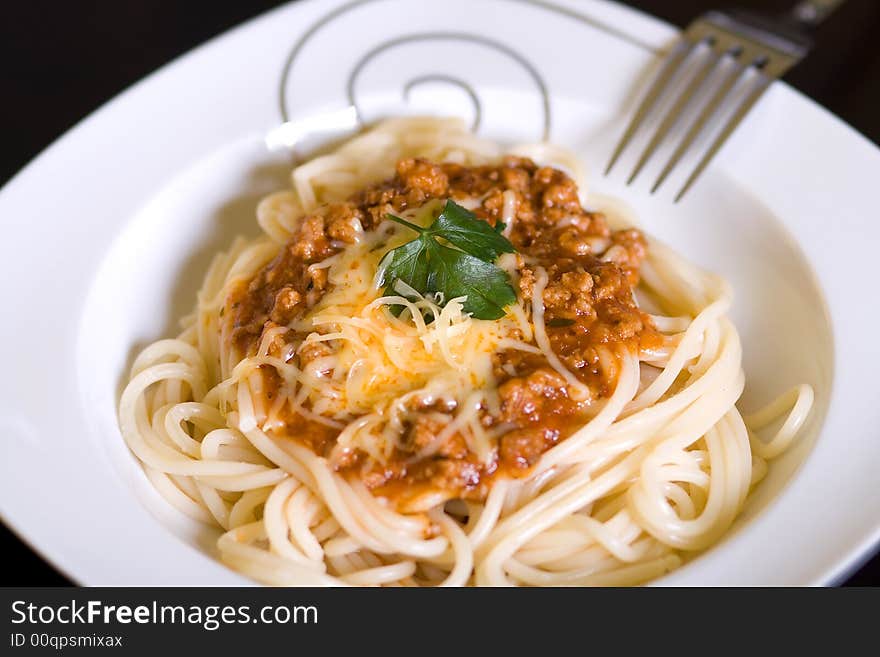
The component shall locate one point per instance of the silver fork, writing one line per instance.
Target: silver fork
(764, 46)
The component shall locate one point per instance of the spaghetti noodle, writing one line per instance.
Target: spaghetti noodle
(336, 442)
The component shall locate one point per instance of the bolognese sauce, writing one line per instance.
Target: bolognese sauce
(590, 273)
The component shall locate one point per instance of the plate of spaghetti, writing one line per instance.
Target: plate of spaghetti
(405, 334)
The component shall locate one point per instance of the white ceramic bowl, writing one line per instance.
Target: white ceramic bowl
(132, 203)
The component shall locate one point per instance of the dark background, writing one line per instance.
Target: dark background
(60, 60)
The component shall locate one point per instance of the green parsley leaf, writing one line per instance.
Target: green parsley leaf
(461, 228)
(457, 274)
(409, 263)
(430, 266)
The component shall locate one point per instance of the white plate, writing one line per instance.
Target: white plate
(107, 235)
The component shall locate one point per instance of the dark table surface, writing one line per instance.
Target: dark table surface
(61, 60)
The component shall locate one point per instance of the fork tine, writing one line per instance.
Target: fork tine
(728, 129)
(672, 64)
(675, 112)
(697, 127)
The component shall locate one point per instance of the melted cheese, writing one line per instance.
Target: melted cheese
(374, 365)
(371, 367)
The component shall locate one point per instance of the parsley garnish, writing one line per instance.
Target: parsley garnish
(431, 267)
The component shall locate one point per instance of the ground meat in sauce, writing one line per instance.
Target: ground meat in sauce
(288, 286)
(588, 299)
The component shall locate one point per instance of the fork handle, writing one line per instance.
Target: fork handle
(809, 13)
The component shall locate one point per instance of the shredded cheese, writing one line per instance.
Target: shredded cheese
(364, 370)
